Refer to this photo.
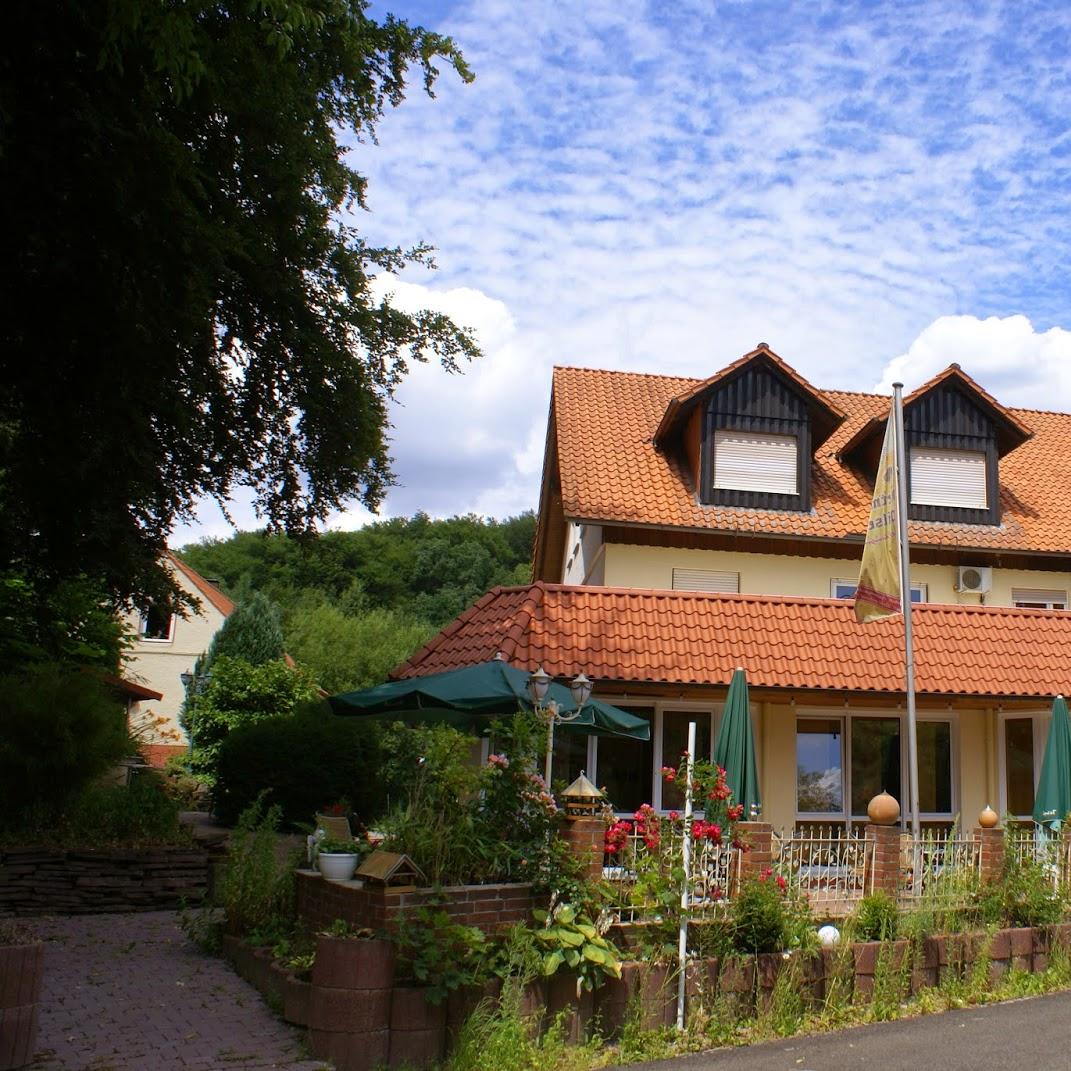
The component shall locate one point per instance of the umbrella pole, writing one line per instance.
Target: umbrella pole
(686, 851)
(551, 715)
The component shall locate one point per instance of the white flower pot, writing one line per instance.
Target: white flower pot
(337, 866)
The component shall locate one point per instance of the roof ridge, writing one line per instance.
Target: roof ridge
(624, 372)
(223, 603)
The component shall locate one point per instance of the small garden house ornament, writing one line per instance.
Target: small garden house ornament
(582, 799)
(390, 868)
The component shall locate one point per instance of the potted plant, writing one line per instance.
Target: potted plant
(21, 965)
(337, 859)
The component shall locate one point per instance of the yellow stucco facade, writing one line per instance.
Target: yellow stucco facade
(629, 566)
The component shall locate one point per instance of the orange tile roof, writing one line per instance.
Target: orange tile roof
(632, 635)
(216, 597)
(611, 471)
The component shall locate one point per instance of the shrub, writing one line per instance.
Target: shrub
(759, 917)
(257, 889)
(60, 729)
(876, 918)
(302, 761)
(1027, 896)
(239, 694)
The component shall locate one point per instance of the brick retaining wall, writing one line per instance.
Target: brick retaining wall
(42, 882)
(491, 907)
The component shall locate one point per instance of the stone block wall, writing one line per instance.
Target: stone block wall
(42, 882)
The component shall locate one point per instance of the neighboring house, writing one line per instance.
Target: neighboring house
(687, 527)
(165, 646)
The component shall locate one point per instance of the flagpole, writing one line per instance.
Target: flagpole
(905, 602)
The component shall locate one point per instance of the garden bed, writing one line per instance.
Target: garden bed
(491, 908)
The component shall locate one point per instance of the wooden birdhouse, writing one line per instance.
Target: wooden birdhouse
(390, 868)
(582, 799)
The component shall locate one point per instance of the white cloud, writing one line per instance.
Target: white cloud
(658, 187)
(1013, 361)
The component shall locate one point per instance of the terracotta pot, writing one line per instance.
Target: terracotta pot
(988, 818)
(21, 969)
(353, 963)
(417, 1028)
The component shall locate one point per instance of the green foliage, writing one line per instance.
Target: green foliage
(201, 230)
(252, 634)
(876, 918)
(59, 730)
(462, 823)
(346, 651)
(307, 759)
(345, 847)
(1025, 896)
(241, 694)
(422, 569)
(569, 939)
(440, 954)
(43, 619)
(104, 816)
(256, 889)
(759, 917)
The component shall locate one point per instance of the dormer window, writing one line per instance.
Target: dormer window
(746, 461)
(955, 478)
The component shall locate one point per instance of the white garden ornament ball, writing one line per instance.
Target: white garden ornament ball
(828, 936)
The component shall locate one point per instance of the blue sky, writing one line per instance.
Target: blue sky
(874, 189)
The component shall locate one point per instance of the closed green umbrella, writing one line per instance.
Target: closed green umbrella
(734, 750)
(1052, 803)
(467, 697)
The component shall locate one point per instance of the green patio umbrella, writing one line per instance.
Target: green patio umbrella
(467, 697)
(734, 750)
(1052, 803)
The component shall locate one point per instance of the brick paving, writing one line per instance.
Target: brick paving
(132, 993)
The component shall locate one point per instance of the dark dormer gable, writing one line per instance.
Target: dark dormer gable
(749, 432)
(954, 434)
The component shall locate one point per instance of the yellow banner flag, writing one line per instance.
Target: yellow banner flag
(878, 593)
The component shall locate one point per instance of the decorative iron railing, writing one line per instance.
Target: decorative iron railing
(942, 865)
(830, 865)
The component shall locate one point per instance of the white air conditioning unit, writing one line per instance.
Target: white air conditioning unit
(975, 579)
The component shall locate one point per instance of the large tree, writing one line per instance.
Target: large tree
(188, 298)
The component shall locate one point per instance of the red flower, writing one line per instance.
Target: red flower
(781, 883)
(674, 815)
(669, 774)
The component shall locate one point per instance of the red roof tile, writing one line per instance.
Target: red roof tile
(677, 637)
(216, 597)
(611, 471)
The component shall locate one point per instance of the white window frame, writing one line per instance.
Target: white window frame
(920, 588)
(940, 461)
(1041, 719)
(1030, 598)
(758, 440)
(142, 638)
(712, 710)
(845, 716)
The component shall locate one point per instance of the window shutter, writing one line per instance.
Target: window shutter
(1053, 600)
(948, 478)
(748, 462)
(705, 580)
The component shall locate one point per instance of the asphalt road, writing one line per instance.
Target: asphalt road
(1020, 1035)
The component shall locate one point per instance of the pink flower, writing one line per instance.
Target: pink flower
(673, 816)
(500, 762)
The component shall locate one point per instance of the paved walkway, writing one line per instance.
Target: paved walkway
(1020, 1034)
(131, 993)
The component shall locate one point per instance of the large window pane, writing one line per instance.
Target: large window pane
(935, 767)
(625, 767)
(674, 741)
(1019, 764)
(875, 760)
(819, 767)
(570, 755)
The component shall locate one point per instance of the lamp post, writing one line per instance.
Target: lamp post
(194, 684)
(538, 686)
